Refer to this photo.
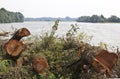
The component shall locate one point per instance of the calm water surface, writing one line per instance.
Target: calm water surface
(101, 32)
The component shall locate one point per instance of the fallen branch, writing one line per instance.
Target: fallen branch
(4, 34)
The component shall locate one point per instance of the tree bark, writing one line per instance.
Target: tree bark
(21, 33)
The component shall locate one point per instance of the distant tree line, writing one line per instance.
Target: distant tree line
(51, 19)
(98, 19)
(8, 17)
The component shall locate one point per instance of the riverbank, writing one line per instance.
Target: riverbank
(60, 53)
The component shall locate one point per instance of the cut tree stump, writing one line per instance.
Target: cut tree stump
(104, 62)
(21, 33)
(40, 64)
(92, 59)
(13, 48)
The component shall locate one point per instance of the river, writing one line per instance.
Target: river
(108, 33)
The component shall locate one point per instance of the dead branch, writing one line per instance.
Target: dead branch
(4, 34)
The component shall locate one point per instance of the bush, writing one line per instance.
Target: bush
(63, 55)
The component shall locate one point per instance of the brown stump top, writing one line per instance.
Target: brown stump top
(13, 48)
(39, 64)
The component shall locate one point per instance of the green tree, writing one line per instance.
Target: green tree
(113, 18)
(84, 19)
(98, 19)
(8, 17)
(93, 19)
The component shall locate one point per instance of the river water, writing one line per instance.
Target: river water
(108, 33)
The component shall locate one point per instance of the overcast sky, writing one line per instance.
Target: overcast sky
(62, 8)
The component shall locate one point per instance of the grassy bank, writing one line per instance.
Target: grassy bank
(62, 54)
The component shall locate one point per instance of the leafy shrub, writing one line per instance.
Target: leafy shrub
(63, 56)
